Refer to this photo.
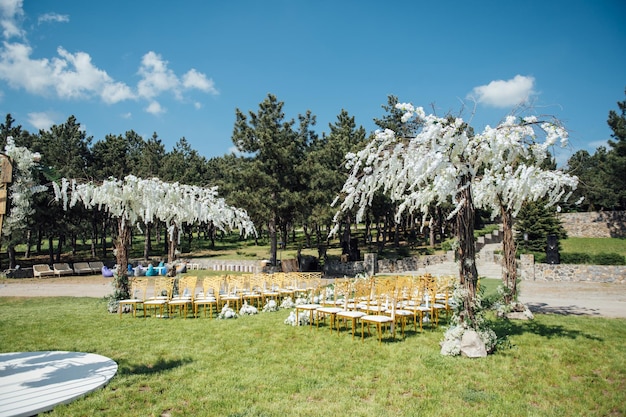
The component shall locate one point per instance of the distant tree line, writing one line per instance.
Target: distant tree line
(285, 175)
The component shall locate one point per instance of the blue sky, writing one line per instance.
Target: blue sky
(181, 68)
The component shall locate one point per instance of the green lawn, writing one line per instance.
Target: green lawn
(594, 245)
(258, 366)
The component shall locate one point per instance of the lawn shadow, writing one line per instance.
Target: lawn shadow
(505, 327)
(154, 368)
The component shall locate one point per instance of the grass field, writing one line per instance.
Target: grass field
(258, 366)
(594, 245)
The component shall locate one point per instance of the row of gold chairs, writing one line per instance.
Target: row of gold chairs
(382, 302)
(212, 293)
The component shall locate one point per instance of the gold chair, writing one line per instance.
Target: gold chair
(163, 289)
(138, 287)
(382, 290)
(354, 292)
(288, 285)
(310, 307)
(209, 297)
(186, 295)
(232, 292)
(431, 300)
(402, 291)
(328, 305)
(252, 287)
(270, 288)
(415, 302)
(445, 286)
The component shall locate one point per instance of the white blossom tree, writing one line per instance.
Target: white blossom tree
(134, 200)
(446, 161)
(512, 157)
(19, 195)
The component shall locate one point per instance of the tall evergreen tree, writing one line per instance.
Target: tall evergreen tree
(325, 162)
(274, 172)
(533, 224)
(617, 161)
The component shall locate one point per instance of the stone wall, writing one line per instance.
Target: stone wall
(529, 270)
(371, 265)
(594, 224)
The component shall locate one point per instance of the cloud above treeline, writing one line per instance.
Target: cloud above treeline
(75, 76)
(505, 93)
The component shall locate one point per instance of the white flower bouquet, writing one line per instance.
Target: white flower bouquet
(227, 313)
(248, 310)
(287, 303)
(270, 305)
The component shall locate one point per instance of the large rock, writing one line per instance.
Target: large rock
(472, 345)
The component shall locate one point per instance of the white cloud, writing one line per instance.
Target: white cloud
(504, 93)
(69, 76)
(127, 115)
(157, 78)
(155, 108)
(74, 76)
(196, 80)
(41, 120)
(53, 17)
(11, 13)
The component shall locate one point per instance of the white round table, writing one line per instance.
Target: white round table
(34, 382)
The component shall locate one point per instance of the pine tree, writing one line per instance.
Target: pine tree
(533, 224)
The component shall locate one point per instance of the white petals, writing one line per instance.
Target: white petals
(430, 167)
(134, 200)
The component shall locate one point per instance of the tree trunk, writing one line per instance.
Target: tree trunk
(29, 237)
(94, 234)
(172, 245)
(271, 227)
(509, 274)
(467, 255)
(39, 240)
(51, 249)
(74, 241)
(396, 234)
(103, 237)
(146, 242)
(12, 256)
(122, 242)
(307, 235)
(59, 248)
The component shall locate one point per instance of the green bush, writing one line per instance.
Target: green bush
(608, 259)
(575, 258)
(446, 245)
(486, 230)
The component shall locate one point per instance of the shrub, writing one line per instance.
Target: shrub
(608, 259)
(448, 245)
(575, 258)
(486, 230)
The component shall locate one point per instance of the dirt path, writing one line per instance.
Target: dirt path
(85, 286)
(581, 298)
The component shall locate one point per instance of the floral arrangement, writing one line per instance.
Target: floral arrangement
(451, 343)
(270, 305)
(227, 313)
(287, 303)
(248, 310)
(303, 300)
(303, 319)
